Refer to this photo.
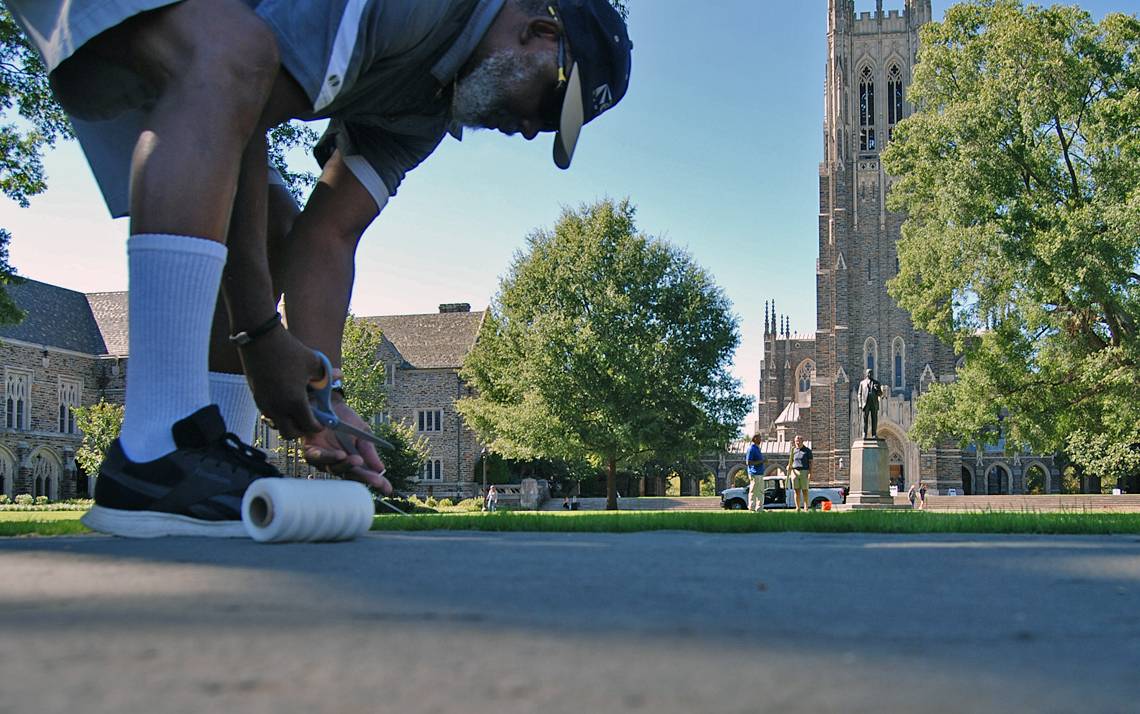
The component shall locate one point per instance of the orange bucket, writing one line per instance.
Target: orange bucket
(827, 505)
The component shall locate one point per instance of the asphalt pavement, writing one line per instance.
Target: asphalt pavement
(661, 622)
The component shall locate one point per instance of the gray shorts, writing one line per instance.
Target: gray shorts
(109, 146)
(91, 87)
(106, 102)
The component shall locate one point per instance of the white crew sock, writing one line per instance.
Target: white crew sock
(233, 396)
(174, 284)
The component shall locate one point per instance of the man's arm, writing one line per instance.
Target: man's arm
(319, 269)
(277, 365)
(320, 257)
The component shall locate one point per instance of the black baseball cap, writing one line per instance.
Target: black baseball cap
(598, 79)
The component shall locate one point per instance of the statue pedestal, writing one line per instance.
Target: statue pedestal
(870, 475)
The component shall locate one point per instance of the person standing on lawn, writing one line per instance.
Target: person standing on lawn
(799, 466)
(754, 462)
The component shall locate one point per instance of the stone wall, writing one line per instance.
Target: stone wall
(453, 444)
(40, 452)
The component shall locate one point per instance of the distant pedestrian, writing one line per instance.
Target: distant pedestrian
(566, 503)
(922, 496)
(754, 461)
(799, 466)
(492, 499)
(912, 494)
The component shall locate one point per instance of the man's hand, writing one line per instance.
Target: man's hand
(279, 368)
(358, 463)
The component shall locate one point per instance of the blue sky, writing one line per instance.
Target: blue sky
(717, 143)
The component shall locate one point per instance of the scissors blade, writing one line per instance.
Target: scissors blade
(361, 434)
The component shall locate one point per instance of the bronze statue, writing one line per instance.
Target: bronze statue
(869, 392)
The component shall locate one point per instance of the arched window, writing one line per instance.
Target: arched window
(17, 387)
(70, 391)
(898, 363)
(894, 99)
(867, 109)
(45, 474)
(803, 380)
(870, 354)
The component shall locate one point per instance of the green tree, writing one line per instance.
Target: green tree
(363, 372)
(30, 123)
(605, 344)
(100, 424)
(404, 463)
(1019, 173)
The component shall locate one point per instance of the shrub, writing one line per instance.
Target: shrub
(470, 504)
(3, 499)
(41, 500)
(445, 503)
(431, 502)
(24, 499)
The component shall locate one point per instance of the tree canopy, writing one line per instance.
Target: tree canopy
(100, 424)
(606, 344)
(1019, 173)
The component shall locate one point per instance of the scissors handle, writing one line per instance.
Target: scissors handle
(320, 392)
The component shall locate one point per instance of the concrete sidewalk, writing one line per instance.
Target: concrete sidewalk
(514, 622)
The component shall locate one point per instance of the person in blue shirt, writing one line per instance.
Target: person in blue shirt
(754, 460)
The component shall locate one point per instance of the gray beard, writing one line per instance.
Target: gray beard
(479, 99)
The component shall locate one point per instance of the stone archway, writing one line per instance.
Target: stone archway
(967, 481)
(903, 454)
(999, 480)
(1037, 479)
(7, 473)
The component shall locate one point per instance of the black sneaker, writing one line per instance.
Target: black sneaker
(195, 490)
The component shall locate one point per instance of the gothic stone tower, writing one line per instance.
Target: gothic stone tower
(785, 374)
(869, 63)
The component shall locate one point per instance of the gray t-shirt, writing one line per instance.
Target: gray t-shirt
(382, 71)
(801, 459)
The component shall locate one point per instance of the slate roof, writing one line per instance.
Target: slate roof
(432, 341)
(96, 324)
(56, 317)
(110, 310)
(790, 415)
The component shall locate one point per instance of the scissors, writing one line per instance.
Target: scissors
(320, 400)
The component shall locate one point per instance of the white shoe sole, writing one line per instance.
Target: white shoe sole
(155, 524)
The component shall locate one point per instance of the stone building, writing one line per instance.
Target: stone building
(67, 352)
(422, 355)
(72, 350)
(788, 370)
(858, 325)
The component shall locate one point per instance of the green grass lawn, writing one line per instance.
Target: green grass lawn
(48, 523)
(42, 523)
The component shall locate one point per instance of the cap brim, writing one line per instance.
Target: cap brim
(570, 124)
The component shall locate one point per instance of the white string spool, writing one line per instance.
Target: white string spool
(278, 510)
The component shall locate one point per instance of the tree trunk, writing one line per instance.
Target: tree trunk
(611, 486)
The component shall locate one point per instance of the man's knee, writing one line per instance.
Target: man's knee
(215, 46)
